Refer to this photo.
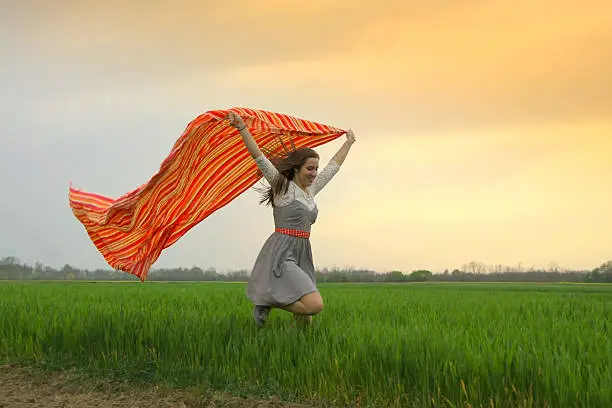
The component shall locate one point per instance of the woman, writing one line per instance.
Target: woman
(283, 275)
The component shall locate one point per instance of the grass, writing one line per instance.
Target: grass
(374, 345)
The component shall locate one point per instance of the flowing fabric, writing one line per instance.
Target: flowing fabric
(206, 169)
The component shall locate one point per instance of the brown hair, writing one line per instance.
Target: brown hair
(286, 166)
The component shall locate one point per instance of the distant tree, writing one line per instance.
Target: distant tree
(210, 274)
(9, 261)
(11, 268)
(396, 276)
(420, 276)
(475, 267)
(603, 273)
(67, 272)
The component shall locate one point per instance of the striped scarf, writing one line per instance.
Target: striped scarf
(206, 169)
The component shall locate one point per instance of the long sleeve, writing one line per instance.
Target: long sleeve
(324, 177)
(267, 168)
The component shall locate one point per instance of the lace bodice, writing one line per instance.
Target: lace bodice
(294, 192)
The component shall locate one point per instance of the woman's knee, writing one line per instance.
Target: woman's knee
(313, 302)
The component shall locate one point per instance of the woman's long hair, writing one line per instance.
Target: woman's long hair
(286, 165)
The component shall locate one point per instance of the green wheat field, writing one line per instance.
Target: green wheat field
(377, 345)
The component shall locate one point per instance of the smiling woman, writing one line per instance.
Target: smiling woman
(284, 274)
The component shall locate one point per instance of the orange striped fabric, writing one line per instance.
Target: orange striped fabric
(206, 169)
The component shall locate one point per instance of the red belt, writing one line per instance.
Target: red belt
(293, 232)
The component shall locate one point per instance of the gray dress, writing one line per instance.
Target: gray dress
(284, 270)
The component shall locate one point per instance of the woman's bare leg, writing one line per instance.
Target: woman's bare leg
(296, 307)
(304, 308)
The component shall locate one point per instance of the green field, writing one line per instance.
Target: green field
(382, 345)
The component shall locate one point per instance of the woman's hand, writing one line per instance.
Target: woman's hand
(350, 136)
(235, 120)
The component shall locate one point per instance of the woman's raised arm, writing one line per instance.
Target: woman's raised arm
(249, 141)
(333, 166)
(268, 170)
(344, 149)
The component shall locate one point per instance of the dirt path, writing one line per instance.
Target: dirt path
(22, 387)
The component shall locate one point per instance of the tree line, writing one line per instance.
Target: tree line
(11, 268)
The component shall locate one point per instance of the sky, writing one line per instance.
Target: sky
(484, 128)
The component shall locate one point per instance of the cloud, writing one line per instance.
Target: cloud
(101, 44)
(433, 66)
(475, 66)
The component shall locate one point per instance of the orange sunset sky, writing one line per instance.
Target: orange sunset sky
(484, 128)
